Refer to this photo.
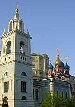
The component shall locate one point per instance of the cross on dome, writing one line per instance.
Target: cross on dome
(66, 59)
(58, 53)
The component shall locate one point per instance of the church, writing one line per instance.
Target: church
(57, 78)
(16, 83)
(21, 84)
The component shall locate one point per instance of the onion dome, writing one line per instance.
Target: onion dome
(51, 66)
(66, 66)
(59, 62)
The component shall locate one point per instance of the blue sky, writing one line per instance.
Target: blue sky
(51, 24)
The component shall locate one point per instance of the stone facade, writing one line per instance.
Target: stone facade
(40, 65)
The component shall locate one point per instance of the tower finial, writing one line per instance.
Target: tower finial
(66, 59)
(17, 7)
(4, 31)
(27, 31)
(16, 16)
(58, 53)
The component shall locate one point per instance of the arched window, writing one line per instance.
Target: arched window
(21, 47)
(33, 93)
(23, 86)
(23, 74)
(6, 86)
(36, 94)
(6, 74)
(23, 97)
(8, 47)
(5, 102)
(57, 93)
(62, 94)
(66, 95)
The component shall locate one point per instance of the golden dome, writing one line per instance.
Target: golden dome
(57, 62)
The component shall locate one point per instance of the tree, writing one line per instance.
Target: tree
(53, 101)
(47, 100)
(57, 101)
(70, 102)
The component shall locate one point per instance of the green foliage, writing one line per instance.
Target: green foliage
(70, 102)
(56, 101)
(47, 102)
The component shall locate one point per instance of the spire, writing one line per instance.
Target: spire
(58, 61)
(58, 53)
(4, 31)
(27, 32)
(16, 16)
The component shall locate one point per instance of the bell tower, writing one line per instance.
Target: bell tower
(16, 82)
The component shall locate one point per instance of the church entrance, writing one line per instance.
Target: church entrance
(5, 102)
